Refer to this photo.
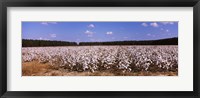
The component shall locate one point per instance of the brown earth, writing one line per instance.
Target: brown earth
(35, 68)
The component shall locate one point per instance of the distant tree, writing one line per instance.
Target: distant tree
(42, 43)
(169, 41)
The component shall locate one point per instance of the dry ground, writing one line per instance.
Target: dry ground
(37, 69)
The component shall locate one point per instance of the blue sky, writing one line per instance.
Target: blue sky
(99, 31)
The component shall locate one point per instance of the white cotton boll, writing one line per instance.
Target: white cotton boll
(120, 56)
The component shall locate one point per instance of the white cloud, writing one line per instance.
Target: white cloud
(165, 30)
(144, 24)
(154, 24)
(89, 33)
(47, 23)
(148, 34)
(109, 33)
(40, 38)
(44, 23)
(52, 35)
(151, 35)
(91, 26)
(165, 23)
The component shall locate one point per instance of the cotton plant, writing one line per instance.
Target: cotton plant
(95, 58)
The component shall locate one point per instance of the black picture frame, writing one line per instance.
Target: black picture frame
(99, 3)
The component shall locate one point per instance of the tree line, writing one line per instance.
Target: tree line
(42, 43)
(169, 41)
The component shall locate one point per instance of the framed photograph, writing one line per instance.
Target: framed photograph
(85, 48)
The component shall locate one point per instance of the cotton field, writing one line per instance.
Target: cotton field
(101, 58)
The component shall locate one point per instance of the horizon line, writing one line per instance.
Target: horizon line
(99, 41)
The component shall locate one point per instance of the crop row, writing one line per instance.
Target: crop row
(102, 58)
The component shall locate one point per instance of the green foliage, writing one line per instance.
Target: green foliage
(169, 41)
(42, 43)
